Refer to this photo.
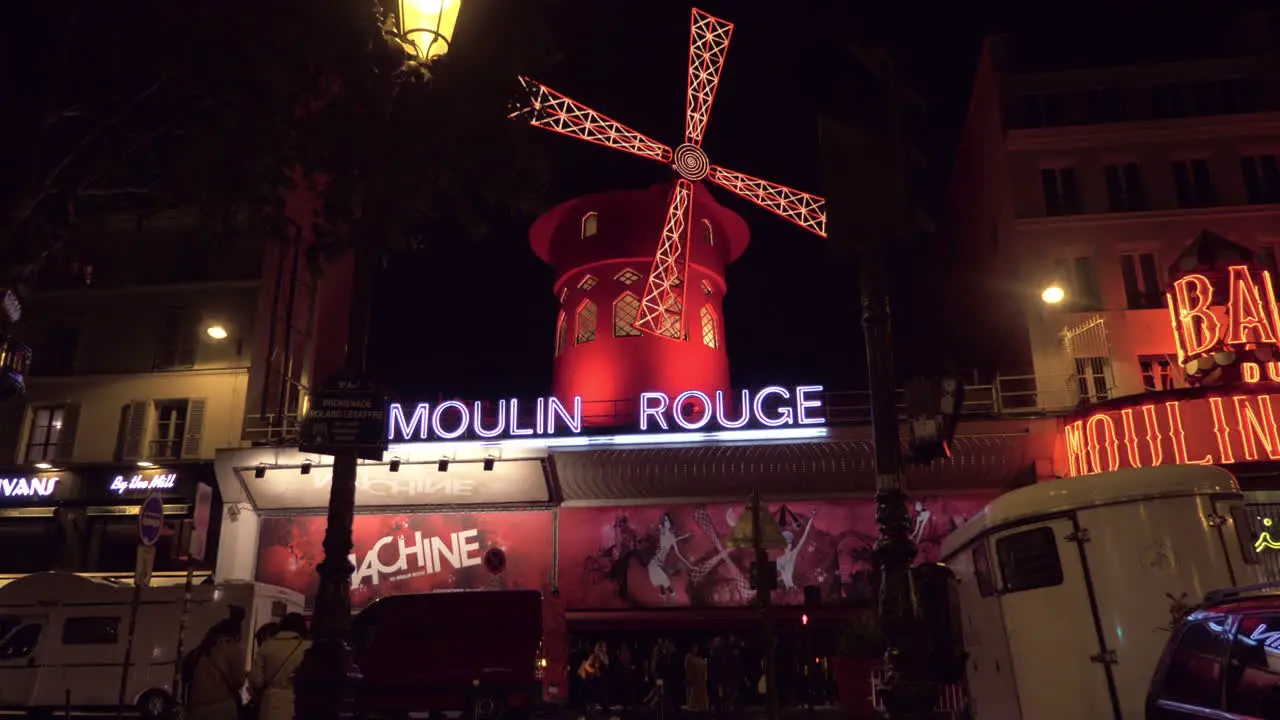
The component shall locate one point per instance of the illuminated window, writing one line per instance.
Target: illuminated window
(706, 288)
(587, 282)
(627, 276)
(675, 321)
(586, 322)
(590, 224)
(625, 309)
(564, 293)
(562, 333)
(708, 317)
(46, 429)
(1157, 373)
(706, 232)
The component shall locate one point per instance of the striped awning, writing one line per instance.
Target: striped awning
(793, 470)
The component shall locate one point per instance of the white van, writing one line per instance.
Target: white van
(63, 638)
(1068, 588)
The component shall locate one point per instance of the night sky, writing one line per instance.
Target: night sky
(475, 319)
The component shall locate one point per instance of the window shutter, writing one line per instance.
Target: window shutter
(66, 449)
(195, 428)
(134, 430)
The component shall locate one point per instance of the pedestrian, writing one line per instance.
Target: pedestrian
(214, 672)
(695, 680)
(271, 678)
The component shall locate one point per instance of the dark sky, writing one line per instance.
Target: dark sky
(476, 320)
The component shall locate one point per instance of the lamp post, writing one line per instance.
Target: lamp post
(323, 677)
(868, 207)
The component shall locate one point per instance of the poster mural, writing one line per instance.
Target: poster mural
(647, 556)
(411, 552)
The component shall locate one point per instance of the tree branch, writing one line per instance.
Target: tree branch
(26, 204)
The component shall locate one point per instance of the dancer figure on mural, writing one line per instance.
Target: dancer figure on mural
(625, 546)
(787, 560)
(667, 541)
(922, 522)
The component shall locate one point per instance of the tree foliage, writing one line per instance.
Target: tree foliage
(220, 106)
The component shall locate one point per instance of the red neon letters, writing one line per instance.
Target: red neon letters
(1252, 316)
(1203, 431)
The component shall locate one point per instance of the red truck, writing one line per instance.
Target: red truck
(494, 653)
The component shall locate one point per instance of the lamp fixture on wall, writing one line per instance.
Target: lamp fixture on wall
(489, 462)
(394, 466)
(443, 465)
(260, 471)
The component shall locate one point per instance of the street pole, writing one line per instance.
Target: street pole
(764, 596)
(326, 668)
(868, 208)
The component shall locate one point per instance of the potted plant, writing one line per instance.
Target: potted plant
(860, 652)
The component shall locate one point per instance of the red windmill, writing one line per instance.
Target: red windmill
(662, 306)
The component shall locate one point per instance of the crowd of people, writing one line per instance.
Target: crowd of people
(215, 684)
(720, 675)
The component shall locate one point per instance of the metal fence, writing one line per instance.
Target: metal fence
(952, 702)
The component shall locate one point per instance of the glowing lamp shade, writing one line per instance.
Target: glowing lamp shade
(429, 24)
(1053, 295)
(217, 332)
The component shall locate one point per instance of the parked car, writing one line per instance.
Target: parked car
(1223, 660)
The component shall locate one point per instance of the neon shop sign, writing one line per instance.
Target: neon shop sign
(770, 407)
(139, 483)
(1195, 431)
(1265, 541)
(28, 487)
(1208, 337)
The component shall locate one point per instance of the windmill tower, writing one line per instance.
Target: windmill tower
(669, 309)
(601, 247)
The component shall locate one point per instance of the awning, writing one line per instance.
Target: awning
(792, 470)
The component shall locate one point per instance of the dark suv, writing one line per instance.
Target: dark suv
(1223, 660)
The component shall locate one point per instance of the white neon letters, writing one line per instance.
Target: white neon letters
(28, 487)
(770, 407)
(784, 413)
(647, 409)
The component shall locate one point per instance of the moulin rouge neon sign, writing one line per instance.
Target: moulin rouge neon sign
(770, 407)
(1194, 431)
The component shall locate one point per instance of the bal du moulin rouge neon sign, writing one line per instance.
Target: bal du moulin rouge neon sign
(770, 407)
(1232, 353)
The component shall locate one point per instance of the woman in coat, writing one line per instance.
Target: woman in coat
(271, 679)
(217, 675)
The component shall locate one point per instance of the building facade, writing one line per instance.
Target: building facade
(1093, 179)
(159, 345)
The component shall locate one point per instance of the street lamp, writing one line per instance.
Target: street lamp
(216, 331)
(428, 25)
(1053, 294)
(323, 679)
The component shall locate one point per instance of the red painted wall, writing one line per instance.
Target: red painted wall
(608, 372)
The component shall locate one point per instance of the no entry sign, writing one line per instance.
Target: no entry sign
(150, 520)
(495, 560)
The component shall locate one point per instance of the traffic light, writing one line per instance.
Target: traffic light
(933, 407)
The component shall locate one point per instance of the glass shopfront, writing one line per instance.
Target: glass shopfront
(85, 518)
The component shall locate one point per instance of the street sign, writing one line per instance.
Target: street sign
(151, 520)
(200, 527)
(495, 560)
(350, 418)
(144, 563)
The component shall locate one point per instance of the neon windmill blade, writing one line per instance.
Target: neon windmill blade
(807, 211)
(662, 307)
(548, 109)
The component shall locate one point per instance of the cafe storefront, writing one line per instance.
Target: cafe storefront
(83, 519)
